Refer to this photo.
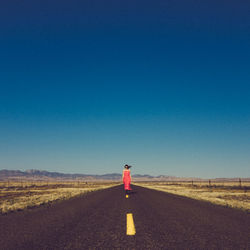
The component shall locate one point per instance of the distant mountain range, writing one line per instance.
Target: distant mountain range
(41, 174)
(33, 174)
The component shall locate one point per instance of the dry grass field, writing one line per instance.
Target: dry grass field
(231, 194)
(21, 195)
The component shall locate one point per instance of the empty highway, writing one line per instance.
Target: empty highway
(106, 219)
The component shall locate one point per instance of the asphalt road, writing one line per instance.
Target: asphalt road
(98, 221)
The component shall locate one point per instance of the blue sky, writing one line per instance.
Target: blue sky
(87, 86)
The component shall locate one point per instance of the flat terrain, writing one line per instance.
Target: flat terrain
(98, 220)
(22, 195)
(229, 194)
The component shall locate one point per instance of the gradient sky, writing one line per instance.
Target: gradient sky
(163, 85)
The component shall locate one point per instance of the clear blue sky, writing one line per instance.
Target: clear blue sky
(87, 86)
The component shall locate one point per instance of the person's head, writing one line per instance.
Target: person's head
(127, 166)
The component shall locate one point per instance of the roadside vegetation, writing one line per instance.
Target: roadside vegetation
(21, 195)
(231, 194)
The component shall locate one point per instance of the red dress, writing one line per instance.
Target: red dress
(126, 179)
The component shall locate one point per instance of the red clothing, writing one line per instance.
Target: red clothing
(126, 179)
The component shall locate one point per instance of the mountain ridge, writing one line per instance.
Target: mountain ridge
(6, 174)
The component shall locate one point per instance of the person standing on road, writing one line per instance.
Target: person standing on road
(126, 177)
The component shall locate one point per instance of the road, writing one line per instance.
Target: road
(98, 220)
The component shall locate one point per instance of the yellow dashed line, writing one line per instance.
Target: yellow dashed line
(130, 225)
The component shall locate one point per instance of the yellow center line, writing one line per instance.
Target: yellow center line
(130, 225)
